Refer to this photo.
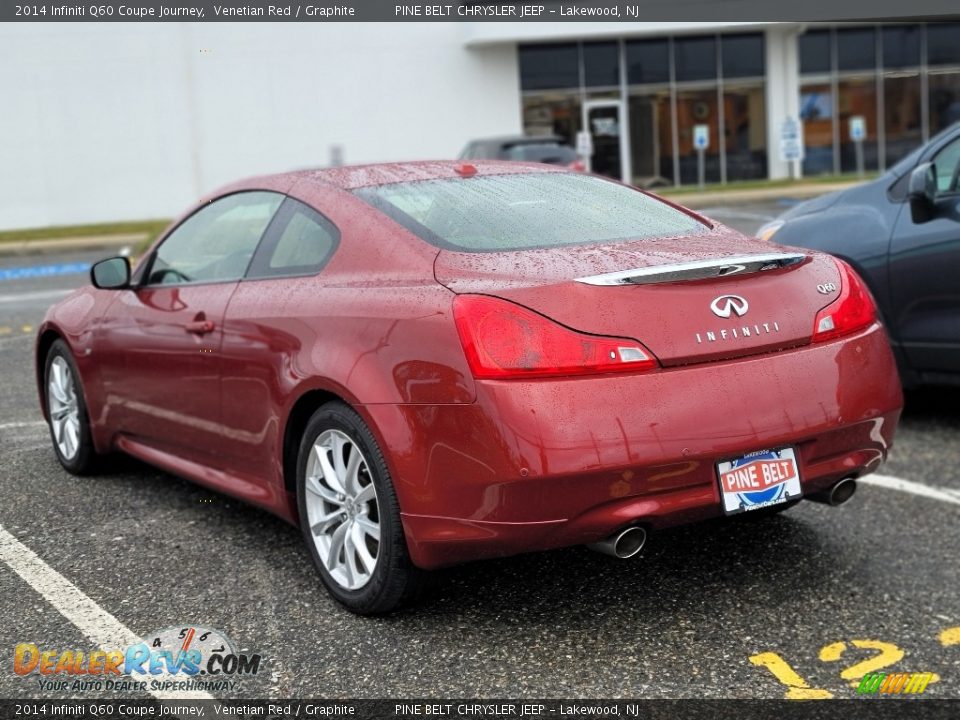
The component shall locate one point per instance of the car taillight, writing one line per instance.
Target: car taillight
(852, 311)
(503, 340)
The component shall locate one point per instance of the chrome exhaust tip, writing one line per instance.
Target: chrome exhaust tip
(624, 544)
(838, 494)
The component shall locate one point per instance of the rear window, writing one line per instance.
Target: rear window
(520, 212)
(552, 153)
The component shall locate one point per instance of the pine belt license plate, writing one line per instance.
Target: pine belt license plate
(759, 479)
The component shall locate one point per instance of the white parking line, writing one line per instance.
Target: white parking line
(947, 495)
(92, 620)
(26, 424)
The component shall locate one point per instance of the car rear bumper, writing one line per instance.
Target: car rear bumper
(549, 463)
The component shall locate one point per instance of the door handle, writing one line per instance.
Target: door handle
(200, 327)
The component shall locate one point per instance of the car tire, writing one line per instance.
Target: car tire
(67, 415)
(349, 514)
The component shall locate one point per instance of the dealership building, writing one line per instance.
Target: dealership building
(127, 121)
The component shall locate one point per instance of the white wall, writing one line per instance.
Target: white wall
(129, 121)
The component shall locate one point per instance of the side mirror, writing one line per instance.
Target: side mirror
(922, 192)
(111, 274)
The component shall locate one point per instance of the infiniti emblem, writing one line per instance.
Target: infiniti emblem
(726, 305)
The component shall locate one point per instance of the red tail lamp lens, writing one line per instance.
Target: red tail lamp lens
(852, 311)
(503, 340)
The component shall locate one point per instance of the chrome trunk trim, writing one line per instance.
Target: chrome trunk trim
(696, 270)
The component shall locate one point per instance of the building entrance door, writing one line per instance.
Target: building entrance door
(604, 120)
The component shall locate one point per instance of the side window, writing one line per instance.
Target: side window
(300, 242)
(947, 161)
(216, 243)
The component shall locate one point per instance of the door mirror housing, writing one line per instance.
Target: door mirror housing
(922, 192)
(111, 274)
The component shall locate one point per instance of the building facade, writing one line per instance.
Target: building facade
(122, 121)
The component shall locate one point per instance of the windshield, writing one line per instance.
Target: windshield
(532, 210)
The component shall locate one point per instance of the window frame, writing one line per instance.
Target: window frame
(260, 261)
(141, 281)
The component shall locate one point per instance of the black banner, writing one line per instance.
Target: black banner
(470, 11)
(892, 708)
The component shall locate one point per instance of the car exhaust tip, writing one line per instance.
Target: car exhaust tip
(838, 494)
(623, 545)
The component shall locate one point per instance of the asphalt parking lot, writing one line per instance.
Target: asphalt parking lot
(803, 603)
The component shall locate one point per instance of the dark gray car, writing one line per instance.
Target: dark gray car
(902, 234)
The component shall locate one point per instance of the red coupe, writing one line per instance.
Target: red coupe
(428, 363)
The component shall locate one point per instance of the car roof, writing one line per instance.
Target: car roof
(353, 177)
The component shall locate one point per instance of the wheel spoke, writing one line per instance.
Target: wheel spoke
(350, 557)
(366, 494)
(336, 545)
(369, 527)
(329, 474)
(338, 464)
(369, 562)
(355, 462)
(315, 487)
(323, 525)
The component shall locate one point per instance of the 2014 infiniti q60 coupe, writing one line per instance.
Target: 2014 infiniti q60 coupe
(428, 363)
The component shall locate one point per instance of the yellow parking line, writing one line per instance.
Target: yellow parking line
(5, 329)
(27, 328)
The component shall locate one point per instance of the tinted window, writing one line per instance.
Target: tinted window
(946, 161)
(601, 64)
(544, 67)
(695, 58)
(742, 55)
(815, 51)
(215, 243)
(648, 61)
(901, 46)
(299, 243)
(541, 152)
(518, 212)
(856, 49)
(942, 45)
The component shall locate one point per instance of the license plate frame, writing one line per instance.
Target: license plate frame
(759, 479)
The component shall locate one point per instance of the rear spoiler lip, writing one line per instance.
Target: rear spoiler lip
(696, 270)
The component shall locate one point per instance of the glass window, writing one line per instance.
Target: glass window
(946, 161)
(901, 110)
(601, 64)
(695, 58)
(942, 45)
(944, 99)
(816, 114)
(552, 114)
(299, 243)
(648, 61)
(519, 212)
(856, 49)
(742, 55)
(815, 51)
(216, 243)
(698, 107)
(901, 46)
(651, 139)
(543, 67)
(745, 126)
(857, 97)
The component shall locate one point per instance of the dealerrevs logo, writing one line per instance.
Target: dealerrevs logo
(172, 658)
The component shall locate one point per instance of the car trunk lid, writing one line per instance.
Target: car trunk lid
(707, 297)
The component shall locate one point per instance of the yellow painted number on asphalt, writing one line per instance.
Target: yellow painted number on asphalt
(887, 655)
(797, 687)
(950, 636)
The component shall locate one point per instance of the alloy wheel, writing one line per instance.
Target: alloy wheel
(64, 408)
(342, 509)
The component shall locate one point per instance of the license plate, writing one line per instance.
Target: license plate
(759, 479)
